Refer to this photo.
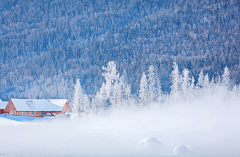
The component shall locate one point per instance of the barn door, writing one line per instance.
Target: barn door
(12, 113)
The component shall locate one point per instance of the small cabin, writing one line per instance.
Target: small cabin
(3, 104)
(33, 108)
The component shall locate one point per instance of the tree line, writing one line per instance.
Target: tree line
(115, 92)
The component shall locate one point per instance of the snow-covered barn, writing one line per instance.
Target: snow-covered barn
(3, 104)
(33, 107)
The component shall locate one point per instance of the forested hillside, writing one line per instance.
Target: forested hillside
(46, 45)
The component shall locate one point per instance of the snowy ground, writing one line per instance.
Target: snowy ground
(5, 121)
(205, 127)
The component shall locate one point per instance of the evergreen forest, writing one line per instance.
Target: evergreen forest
(47, 45)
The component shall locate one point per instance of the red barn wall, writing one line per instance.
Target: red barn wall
(10, 106)
(2, 111)
(66, 108)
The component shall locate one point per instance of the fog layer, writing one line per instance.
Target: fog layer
(206, 126)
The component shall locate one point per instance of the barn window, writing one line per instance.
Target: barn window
(37, 113)
(22, 113)
(32, 113)
(42, 113)
(27, 113)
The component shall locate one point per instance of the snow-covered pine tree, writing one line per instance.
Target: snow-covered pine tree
(77, 100)
(175, 88)
(124, 82)
(200, 83)
(122, 87)
(212, 85)
(186, 85)
(152, 83)
(113, 98)
(159, 90)
(206, 82)
(128, 92)
(111, 76)
(226, 81)
(192, 88)
(98, 102)
(219, 81)
(120, 93)
(117, 94)
(143, 91)
(101, 96)
(86, 104)
(94, 105)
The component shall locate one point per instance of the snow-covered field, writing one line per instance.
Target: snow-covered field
(5, 121)
(206, 127)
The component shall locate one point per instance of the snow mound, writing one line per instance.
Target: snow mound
(150, 144)
(181, 150)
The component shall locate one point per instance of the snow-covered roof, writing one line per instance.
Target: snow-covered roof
(3, 104)
(59, 102)
(35, 105)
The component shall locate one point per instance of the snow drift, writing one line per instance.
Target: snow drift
(150, 145)
(181, 150)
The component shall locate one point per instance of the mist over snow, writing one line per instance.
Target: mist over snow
(206, 126)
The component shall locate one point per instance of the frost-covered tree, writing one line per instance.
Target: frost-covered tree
(111, 75)
(226, 81)
(94, 105)
(86, 105)
(143, 91)
(101, 96)
(116, 90)
(98, 103)
(219, 81)
(186, 85)
(128, 91)
(123, 89)
(77, 100)
(206, 82)
(159, 90)
(175, 88)
(152, 83)
(117, 94)
(200, 83)
(192, 88)
(212, 85)
(124, 82)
